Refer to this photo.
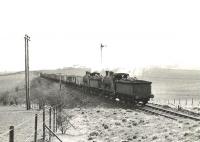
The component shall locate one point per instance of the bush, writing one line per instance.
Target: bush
(4, 98)
(63, 121)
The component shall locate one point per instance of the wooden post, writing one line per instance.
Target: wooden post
(49, 124)
(26, 72)
(60, 85)
(56, 119)
(43, 124)
(28, 82)
(11, 134)
(54, 115)
(36, 119)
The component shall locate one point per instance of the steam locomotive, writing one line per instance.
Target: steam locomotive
(116, 85)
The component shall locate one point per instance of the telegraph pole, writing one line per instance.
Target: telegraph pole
(60, 83)
(26, 74)
(27, 82)
(60, 93)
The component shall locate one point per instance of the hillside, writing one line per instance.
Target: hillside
(80, 71)
(173, 83)
(13, 85)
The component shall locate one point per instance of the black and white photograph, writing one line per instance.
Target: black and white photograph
(99, 71)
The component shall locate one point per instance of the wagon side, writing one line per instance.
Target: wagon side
(95, 83)
(79, 81)
(134, 91)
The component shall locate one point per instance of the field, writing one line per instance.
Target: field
(11, 81)
(171, 83)
(14, 85)
(22, 120)
(102, 124)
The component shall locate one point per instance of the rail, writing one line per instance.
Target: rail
(169, 113)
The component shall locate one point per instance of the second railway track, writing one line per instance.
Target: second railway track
(171, 114)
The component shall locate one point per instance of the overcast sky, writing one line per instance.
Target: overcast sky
(63, 33)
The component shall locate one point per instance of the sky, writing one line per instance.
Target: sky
(63, 33)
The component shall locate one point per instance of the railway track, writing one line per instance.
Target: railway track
(150, 108)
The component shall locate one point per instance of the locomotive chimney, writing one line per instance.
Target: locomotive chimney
(107, 73)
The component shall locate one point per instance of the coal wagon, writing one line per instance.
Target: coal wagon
(133, 91)
(95, 81)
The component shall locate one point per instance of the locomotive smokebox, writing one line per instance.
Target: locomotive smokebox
(107, 73)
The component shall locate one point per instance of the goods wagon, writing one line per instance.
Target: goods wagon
(52, 77)
(79, 80)
(57, 77)
(71, 79)
(63, 78)
(137, 90)
(95, 80)
(95, 83)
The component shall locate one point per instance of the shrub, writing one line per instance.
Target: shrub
(4, 98)
(63, 121)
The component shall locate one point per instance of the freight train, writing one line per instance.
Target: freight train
(116, 85)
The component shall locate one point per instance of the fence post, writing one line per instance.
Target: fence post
(54, 113)
(49, 124)
(43, 123)
(36, 119)
(11, 134)
(56, 119)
